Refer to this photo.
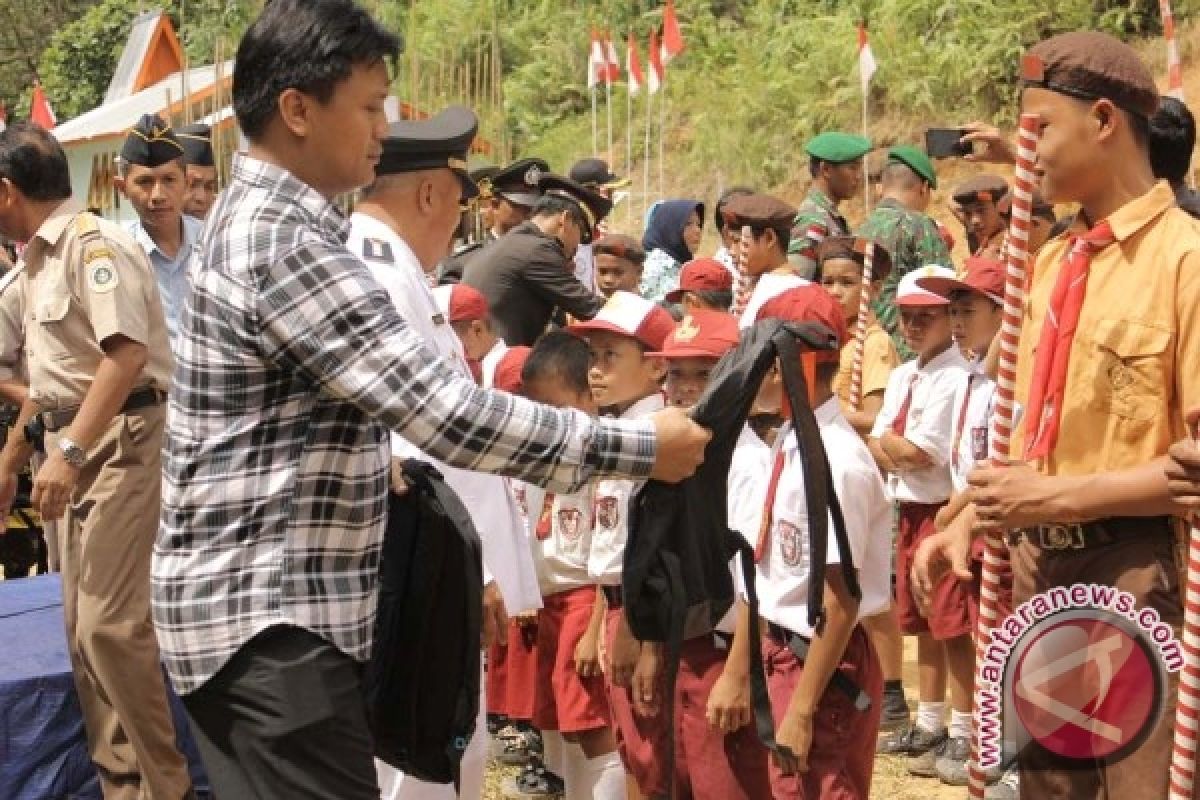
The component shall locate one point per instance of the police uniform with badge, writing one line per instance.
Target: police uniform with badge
(441, 142)
(515, 186)
(88, 293)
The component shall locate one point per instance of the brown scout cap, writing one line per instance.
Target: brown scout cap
(980, 189)
(621, 246)
(854, 248)
(1090, 65)
(758, 211)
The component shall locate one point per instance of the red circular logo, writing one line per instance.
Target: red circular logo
(1086, 688)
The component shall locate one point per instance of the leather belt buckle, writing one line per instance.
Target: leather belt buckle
(1062, 537)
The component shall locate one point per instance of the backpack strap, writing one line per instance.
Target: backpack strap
(819, 492)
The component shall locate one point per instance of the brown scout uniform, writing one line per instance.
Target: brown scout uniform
(84, 282)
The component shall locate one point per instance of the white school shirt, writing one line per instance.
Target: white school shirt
(561, 557)
(783, 572)
(611, 529)
(930, 423)
(489, 362)
(974, 400)
(769, 285)
(749, 473)
(487, 497)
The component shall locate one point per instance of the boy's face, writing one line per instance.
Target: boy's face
(686, 379)
(1067, 147)
(842, 278)
(926, 329)
(769, 399)
(974, 322)
(614, 273)
(553, 391)
(761, 252)
(621, 374)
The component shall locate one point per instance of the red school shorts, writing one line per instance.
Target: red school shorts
(951, 612)
(710, 765)
(842, 752)
(564, 700)
(512, 671)
(641, 741)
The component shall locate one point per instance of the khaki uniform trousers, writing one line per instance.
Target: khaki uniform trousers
(1143, 564)
(107, 537)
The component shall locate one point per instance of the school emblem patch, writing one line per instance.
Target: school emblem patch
(569, 523)
(608, 513)
(790, 543)
(102, 275)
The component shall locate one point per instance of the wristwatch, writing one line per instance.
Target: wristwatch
(75, 455)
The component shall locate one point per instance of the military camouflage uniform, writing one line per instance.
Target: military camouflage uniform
(816, 219)
(912, 239)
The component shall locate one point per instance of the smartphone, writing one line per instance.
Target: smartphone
(946, 143)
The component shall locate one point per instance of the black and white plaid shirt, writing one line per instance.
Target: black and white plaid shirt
(292, 361)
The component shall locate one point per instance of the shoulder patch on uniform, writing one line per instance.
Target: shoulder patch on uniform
(102, 276)
(98, 257)
(378, 250)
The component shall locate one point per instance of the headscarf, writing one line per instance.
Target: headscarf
(665, 228)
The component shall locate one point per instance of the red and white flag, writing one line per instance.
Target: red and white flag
(866, 59)
(40, 113)
(657, 77)
(1174, 65)
(672, 37)
(597, 62)
(3, 116)
(613, 61)
(634, 67)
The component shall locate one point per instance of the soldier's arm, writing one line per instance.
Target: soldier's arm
(550, 277)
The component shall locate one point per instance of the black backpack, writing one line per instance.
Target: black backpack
(422, 681)
(676, 581)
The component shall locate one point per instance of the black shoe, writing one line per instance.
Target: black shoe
(910, 741)
(894, 714)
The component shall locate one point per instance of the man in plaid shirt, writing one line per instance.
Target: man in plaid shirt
(293, 364)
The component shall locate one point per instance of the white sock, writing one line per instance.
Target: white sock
(960, 724)
(929, 716)
(553, 751)
(599, 778)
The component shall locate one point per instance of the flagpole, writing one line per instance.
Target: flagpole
(662, 135)
(646, 159)
(866, 166)
(629, 147)
(595, 134)
(608, 111)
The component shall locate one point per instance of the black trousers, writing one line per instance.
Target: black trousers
(285, 719)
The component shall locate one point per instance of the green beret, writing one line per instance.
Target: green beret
(915, 159)
(838, 148)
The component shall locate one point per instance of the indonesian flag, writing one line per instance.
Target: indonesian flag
(1174, 66)
(3, 116)
(597, 62)
(866, 59)
(636, 80)
(613, 73)
(657, 77)
(672, 38)
(40, 113)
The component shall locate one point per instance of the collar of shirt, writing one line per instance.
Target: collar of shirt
(55, 225)
(402, 255)
(947, 357)
(187, 242)
(275, 180)
(645, 407)
(821, 200)
(1138, 213)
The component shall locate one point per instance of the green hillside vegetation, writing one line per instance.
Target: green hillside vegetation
(758, 77)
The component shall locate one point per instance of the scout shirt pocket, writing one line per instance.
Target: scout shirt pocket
(52, 329)
(1126, 368)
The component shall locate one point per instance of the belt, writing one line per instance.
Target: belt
(1081, 536)
(613, 596)
(799, 646)
(141, 398)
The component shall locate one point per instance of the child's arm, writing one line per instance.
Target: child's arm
(729, 700)
(587, 651)
(946, 514)
(882, 459)
(863, 420)
(625, 653)
(904, 454)
(824, 655)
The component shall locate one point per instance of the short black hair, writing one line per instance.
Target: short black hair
(783, 235)
(308, 45)
(34, 161)
(549, 205)
(814, 166)
(723, 200)
(1172, 139)
(559, 355)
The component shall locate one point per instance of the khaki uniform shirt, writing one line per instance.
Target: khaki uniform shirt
(1135, 361)
(85, 280)
(879, 359)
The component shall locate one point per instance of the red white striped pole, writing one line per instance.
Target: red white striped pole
(1174, 65)
(860, 330)
(1187, 703)
(745, 281)
(995, 558)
